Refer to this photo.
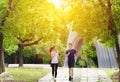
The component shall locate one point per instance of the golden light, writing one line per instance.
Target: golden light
(57, 3)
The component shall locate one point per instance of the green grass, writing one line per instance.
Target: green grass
(27, 74)
(110, 72)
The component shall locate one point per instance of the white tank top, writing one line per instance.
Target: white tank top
(55, 58)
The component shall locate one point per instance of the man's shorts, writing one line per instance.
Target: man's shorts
(71, 64)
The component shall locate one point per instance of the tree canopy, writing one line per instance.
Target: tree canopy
(31, 20)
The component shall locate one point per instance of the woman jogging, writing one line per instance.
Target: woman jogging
(54, 61)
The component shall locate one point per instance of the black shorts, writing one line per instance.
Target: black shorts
(71, 64)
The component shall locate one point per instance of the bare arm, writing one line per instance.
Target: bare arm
(67, 54)
(52, 55)
(57, 52)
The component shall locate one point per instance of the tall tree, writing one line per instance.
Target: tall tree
(93, 20)
(112, 24)
(28, 23)
(2, 68)
(3, 14)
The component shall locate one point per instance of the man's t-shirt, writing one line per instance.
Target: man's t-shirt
(71, 55)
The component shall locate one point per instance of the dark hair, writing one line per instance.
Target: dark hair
(70, 44)
(51, 49)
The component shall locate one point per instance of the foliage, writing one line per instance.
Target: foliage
(27, 74)
(80, 63)
(3, 9)
(110, 72)
(110, 42)
(31, 19)
(85, 20)
(90, 20)
(116, 13)
(88, 53)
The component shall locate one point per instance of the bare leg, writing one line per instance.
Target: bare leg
(72, 72)
(69, 72)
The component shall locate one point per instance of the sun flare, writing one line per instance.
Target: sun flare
(57, 3)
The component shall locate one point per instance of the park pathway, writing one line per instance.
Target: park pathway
(80, 75)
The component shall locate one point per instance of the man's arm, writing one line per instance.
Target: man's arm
(67, 53)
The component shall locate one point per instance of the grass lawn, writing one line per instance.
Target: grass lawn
(27, 74)
(110, 72)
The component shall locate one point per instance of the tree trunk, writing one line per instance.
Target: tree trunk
(20, 47)
(3, 64)
(2, 67)
(14, 57)
(112, 27)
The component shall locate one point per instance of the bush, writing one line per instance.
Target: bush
(80, 63)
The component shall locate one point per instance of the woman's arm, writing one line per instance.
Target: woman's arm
(52, 55)
(57, 51)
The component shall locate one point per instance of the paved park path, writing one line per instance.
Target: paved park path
(80, 75)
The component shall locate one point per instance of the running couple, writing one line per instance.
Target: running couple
(70, 53)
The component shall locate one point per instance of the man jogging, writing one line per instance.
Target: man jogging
(70, 53)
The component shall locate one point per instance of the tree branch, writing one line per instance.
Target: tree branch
(19, 39)
(6, 13)
(23, 41)
(109, 3)
(111, 22)
(102, 4)
(10, 7)
(14, 5)
(10, 4)
(35, 42)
